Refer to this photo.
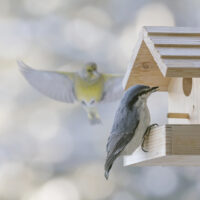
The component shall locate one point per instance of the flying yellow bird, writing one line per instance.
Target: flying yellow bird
(87, 86)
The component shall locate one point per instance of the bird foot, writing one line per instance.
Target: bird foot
(146, 134)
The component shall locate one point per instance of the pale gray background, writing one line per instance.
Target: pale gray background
(48, 151)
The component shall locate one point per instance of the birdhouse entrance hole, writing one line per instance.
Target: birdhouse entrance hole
(187, 86)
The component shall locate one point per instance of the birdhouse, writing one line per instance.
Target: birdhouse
(169, 57)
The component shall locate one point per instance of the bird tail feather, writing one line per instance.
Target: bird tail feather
(94, 117)
(94, 121)
(108, 165)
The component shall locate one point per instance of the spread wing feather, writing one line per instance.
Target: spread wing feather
(112, 88)
(56, 85)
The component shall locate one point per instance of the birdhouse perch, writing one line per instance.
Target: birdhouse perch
(169, 57)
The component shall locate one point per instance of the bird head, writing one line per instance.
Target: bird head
(137, 92)
(145, 93)
(90, 70)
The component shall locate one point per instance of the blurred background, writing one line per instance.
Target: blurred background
(48, 150)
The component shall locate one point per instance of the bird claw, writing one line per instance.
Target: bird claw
(143, 149)
(146, 134)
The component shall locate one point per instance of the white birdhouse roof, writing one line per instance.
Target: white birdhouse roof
(162, 53)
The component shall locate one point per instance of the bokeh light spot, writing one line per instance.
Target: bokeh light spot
(57, 189)
(159, 181)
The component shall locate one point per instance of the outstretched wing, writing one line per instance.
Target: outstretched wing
(56, 85)
(112, 88)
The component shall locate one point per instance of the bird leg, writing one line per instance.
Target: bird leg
(146, 134)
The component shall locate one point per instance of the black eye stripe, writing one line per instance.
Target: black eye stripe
(143, 92)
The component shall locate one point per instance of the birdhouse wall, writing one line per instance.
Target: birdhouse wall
(145, 70)
(179, 102)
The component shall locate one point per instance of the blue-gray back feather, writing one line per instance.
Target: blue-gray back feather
(123, 130)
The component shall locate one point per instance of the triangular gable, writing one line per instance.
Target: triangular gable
(144, 70)
(164, 52)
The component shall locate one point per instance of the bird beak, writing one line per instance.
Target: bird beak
(154, 89)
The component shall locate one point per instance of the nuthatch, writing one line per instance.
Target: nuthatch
(131, 124)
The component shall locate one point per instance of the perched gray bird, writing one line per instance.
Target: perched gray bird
(131, 124)
(88, 86)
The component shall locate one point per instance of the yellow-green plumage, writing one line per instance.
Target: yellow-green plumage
(89, 89)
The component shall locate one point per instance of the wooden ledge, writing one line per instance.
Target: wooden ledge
(169, 145)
